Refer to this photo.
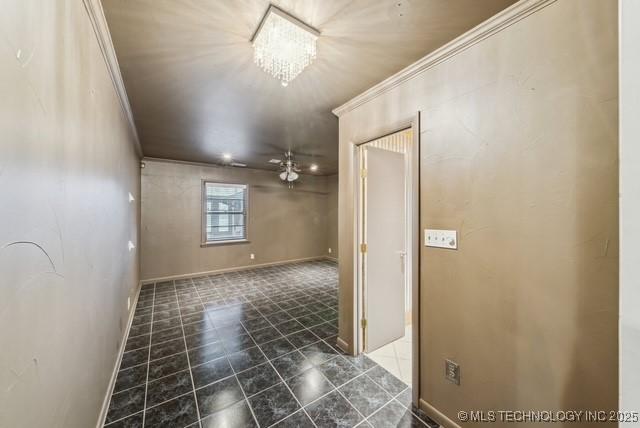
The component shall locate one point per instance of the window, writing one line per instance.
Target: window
(224, 211)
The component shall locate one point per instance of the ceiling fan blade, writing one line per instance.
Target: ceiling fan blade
(308, 155)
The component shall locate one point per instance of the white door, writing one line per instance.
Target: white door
(384, 218)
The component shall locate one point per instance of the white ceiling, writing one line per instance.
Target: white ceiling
(195, 92)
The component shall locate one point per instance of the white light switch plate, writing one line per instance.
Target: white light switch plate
(441, 238)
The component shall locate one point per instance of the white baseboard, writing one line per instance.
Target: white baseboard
(112, 383)
(231, 269)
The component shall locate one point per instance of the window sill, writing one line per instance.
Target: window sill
(215, 243)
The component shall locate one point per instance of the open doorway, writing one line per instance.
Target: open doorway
(387, 252)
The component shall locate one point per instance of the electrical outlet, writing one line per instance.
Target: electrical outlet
(452, 371)
(329, 250)
(252, 256)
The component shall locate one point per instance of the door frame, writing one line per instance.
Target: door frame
(413, 243)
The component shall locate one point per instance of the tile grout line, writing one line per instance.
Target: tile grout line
(268, 361)
(408, 409)
(345, 398)
(155, 405)
(318, 398)
(257, 297)
(122, 419)
(235, 375)
(278, 373)
(204, 386)
(154, 380)
(393, 397)
(193, 384)
(171, 399)
(290, 391)
(146, 383)
(164, 341)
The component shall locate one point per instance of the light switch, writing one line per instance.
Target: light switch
(441, 238)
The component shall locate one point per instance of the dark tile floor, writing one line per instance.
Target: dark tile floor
(254, 348)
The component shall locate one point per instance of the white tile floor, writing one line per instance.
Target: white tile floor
(396, 357)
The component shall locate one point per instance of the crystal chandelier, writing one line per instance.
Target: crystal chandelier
(283, 45)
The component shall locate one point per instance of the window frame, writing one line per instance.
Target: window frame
(203, 213)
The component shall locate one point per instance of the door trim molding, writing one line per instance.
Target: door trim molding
(488, 28)
(415, 242)
(414, 193)
(101, 29)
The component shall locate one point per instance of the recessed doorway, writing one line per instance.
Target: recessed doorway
(387, 251)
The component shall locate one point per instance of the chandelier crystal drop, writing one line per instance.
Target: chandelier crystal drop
(283, 46)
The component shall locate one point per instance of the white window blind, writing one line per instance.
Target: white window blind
(225, 212)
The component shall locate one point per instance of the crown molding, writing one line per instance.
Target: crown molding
(101, 30)
(491, 26)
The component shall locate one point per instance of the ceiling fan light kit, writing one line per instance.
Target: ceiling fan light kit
(283, 45)
(289, 169)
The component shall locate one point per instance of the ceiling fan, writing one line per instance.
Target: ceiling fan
(289, 169)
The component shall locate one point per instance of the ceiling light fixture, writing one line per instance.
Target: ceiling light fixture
(226, 156)
(313, 167)
(289, 169)
(283, 45)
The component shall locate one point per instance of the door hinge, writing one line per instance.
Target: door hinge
(363, 173)
(363, 323)
(363, 248)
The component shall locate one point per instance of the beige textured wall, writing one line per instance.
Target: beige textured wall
(332, 216)
(519, 154)
(67, 164)
(284, 224)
